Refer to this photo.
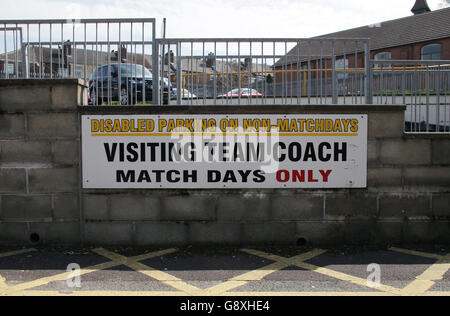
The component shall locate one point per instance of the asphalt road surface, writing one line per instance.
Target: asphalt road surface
(260, 272)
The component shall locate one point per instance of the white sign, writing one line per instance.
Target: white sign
(224, 151)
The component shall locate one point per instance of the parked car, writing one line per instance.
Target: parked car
(244, 93)
(130, 90)
(186, 94)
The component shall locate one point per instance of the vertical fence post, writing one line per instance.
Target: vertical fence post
(368, 89)
(25, 69)
(334, 87)
(155, 71)
(180, 91)
(438, 98)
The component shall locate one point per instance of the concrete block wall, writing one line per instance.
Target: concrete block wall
(39, 163)
(407, 199)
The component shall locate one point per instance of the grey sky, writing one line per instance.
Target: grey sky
(227, 18)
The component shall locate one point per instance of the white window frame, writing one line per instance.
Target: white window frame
(432, 53)
(383, 56)
(342, 63)
(9, 69)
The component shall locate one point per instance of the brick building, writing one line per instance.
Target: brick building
(422, 36)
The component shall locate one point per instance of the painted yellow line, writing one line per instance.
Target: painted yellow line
(225, 134)
(349, 278)
(16, 252)
(99, 293)
(228, 294)
(427, 279)
(299, 262)
(153, 254)
(307, 256)
(295, 294)
(289, 261)
(13, 290)
(3, 285)
(166, 278)
(416, 253)
(259, 274)
(245, 278)
(266, 255)
(151, 272)
(436, 294)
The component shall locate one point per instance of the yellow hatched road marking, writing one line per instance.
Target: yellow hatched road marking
(3, 285)
(426, 280)
(16, 252)
(289, 261)
(262, 294)
(436, 294)
(17, 289)
(349, 278)
(259, 274)
(148, 271)
(226, 294)
(101, 293)
(220, 289)
(417, 253)
(176, 293)
(420, 286)
(299, 262)
(245, 278)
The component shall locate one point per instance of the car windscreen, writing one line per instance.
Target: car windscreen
(134, 71)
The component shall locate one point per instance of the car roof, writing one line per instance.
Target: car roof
(116, 64)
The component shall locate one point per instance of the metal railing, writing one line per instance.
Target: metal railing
(201, 70)
(424, 86)
(265, 71)
(118, 59)
(49, 49)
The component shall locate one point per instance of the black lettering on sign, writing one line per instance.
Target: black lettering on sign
(110, 151)
(193, 176)
(322, 156)
(295, 152)
(121, 176)
(214, 176)
(340, 152)
(230, 177)
(259, 176)
(173, 176)
(279, 157)
(158, 174)
(310, 153)
(245, 175)
(122, 152)
(133, 155)
(144, 176)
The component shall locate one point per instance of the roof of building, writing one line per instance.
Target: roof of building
(405, 31)
(198, 65)
(99, 58)
(92, 57)
(413, 29)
